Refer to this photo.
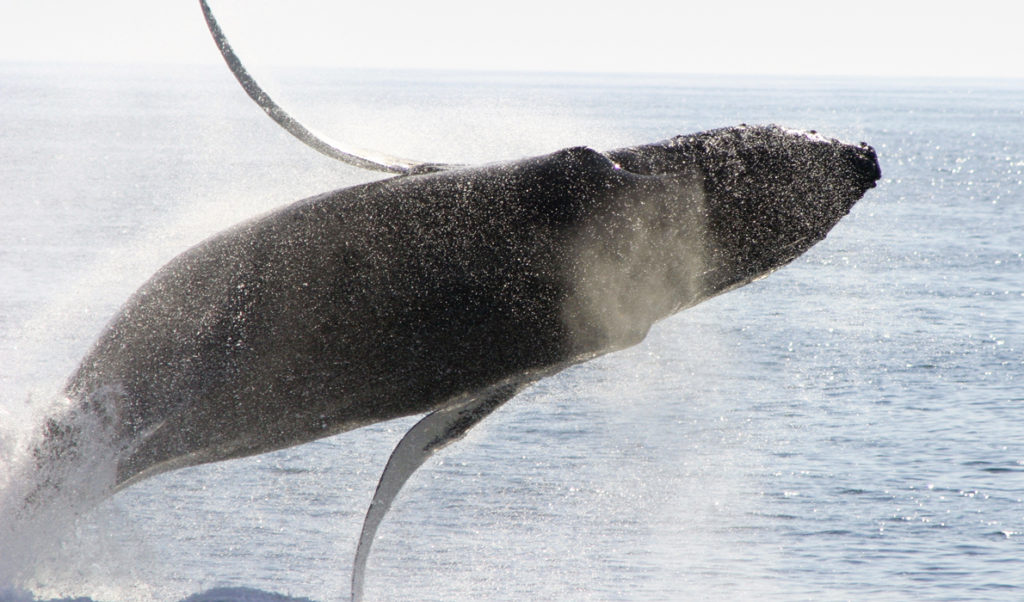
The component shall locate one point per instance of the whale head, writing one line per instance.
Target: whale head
(766, 193)
(707, 213)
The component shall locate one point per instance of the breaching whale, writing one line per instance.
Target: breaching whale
(443, 291)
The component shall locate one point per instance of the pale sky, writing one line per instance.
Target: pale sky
(934, 38)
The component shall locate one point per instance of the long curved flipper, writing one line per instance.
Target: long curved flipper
(363, 158)
(430, 434)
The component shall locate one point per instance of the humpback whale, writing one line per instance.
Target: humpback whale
(443, 290)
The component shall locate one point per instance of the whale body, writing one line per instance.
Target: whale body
(441, 293)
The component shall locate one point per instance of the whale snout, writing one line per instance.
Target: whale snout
(866, 161)
(859, 162)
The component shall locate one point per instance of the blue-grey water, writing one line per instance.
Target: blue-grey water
(848, 428)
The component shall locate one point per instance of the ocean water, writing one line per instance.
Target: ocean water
(846, 429)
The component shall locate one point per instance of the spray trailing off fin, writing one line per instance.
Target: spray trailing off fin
(430, 434)
(363, 158)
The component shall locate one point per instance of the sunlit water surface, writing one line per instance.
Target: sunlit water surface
(849, 428)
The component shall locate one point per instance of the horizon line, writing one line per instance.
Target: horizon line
(452, 70)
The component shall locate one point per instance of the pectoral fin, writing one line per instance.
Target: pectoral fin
(430, 434)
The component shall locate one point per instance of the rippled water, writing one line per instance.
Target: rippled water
(848, 428)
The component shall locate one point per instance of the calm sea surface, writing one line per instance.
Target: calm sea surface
(850, 428)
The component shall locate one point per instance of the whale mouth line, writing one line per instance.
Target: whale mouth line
(725, 283)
